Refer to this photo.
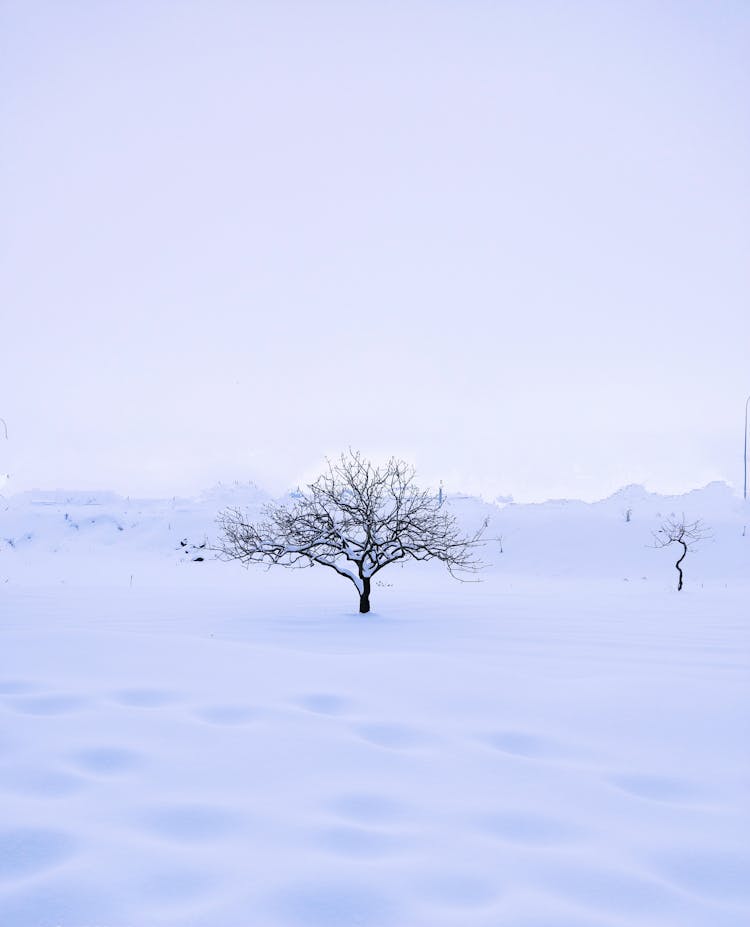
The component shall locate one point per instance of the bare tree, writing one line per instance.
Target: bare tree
(686, 534)
(356, 518)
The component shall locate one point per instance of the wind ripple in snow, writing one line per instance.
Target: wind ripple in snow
(338, 904)
(394, 736)
(324, 703)
(107, 760)
(145, 698)
(528, 829)
(656, 788)
(27, 851)
(368, 808)
(46, 704)
(190, 823)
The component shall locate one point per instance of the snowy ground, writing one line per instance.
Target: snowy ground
(196, 746)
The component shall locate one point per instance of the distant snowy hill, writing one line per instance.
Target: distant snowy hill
(613, 538)
(607, 540)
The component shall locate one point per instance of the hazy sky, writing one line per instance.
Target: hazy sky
(509, 241)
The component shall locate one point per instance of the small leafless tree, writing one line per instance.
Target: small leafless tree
(356, 518)
(687, 534)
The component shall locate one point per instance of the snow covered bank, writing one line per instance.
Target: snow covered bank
(50, 536)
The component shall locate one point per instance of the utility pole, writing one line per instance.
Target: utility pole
(4, 476)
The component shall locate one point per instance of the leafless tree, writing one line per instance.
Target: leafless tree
(357, 518)
(685, 533)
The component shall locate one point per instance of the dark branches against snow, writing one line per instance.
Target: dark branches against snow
(356, 519)
(687, 534)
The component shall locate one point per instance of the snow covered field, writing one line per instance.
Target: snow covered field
(188, 744)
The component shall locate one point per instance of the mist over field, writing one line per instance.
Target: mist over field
(447, 304)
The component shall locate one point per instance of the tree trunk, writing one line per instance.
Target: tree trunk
(364, 597)
(679, 568)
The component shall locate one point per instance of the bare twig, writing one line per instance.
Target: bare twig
(678, 531)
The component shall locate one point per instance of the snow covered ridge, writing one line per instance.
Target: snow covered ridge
(609, 539)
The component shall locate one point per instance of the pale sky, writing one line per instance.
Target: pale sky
(509, 241)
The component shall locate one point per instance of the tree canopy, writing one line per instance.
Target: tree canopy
(356, 519)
